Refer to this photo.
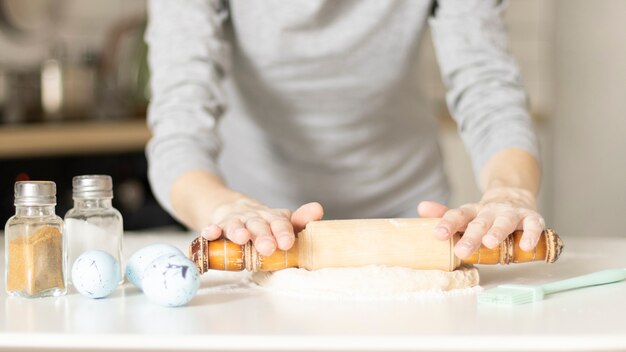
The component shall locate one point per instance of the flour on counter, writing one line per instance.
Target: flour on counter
(370, 283)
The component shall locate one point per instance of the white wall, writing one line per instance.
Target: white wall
(590, 118)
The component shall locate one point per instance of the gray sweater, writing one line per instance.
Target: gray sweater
(313, 100)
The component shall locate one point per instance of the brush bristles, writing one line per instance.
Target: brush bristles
(511, 295)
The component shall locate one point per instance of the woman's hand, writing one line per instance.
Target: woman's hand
(500, 212)
(204, 203)
(245, 219)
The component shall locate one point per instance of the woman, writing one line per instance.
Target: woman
(318, 104)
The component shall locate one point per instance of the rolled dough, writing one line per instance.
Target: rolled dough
(369, 282)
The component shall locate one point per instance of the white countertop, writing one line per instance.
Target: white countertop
(229, 315)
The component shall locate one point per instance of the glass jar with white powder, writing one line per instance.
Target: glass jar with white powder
(93, 223)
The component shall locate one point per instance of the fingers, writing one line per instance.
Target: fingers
(503, 226)
(489, 225)
(261, 234)
(476, 229)
(533, 225)
(211, 232)
(268, 229)
(232, 229)
(306, 213)
(428, 209)
(235, 230)
(453, 221)
(283, 232)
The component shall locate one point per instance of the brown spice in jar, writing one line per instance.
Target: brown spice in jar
(36, 262)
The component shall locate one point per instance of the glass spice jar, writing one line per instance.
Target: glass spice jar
(93, 223)
(35, 255)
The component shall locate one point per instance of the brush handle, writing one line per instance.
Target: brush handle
(349, 243)
(593, 279)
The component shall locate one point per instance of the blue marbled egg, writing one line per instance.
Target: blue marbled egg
(142, 258)
(95, 274)
(171, 280)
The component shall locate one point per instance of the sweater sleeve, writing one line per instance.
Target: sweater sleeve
(187, 57)
(484, 90)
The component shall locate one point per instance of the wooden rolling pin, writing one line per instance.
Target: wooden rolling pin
(349, 243)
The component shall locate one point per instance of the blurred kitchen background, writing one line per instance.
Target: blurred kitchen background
(73, 95)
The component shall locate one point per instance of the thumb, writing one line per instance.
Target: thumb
(428, 209)
(306, 213)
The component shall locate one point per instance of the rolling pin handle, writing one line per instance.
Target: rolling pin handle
(196, 253)
(220, 254)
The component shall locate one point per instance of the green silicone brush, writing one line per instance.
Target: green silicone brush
(520, 294)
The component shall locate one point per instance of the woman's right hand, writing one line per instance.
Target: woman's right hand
(245, 219)
(204, 203)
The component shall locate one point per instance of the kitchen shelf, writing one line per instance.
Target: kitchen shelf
(72, 138)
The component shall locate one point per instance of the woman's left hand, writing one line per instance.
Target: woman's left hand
(500, 212)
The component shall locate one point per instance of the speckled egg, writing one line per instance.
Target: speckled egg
(142, 258)
(171, 280)
(95, 274)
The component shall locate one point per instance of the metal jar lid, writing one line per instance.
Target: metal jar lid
(92, 186)
(35, 193)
